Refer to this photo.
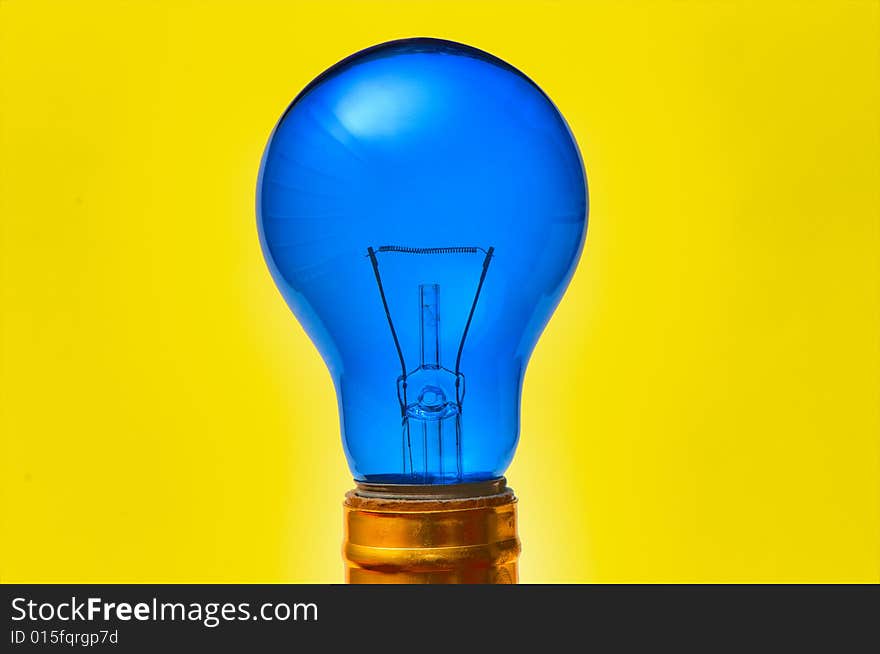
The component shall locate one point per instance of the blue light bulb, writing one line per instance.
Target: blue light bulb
(422, 206)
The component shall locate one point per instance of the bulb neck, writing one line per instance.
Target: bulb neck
(392, 492)
(455, 533)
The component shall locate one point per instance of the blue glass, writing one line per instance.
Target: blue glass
(422, 206)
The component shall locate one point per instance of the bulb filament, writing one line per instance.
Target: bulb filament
(438, 406)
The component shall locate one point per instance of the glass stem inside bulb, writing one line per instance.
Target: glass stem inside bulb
(429, 296)
(435, 416)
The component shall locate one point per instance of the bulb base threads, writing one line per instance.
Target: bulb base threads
(445, 534)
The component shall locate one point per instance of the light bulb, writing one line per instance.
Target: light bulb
(422, 206)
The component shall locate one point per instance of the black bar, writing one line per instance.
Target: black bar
(453, 618)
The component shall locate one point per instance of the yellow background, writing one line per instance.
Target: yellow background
(704, 406)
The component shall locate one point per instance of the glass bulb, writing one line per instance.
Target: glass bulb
(422, 206)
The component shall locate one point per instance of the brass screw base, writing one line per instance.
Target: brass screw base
(431, 535)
